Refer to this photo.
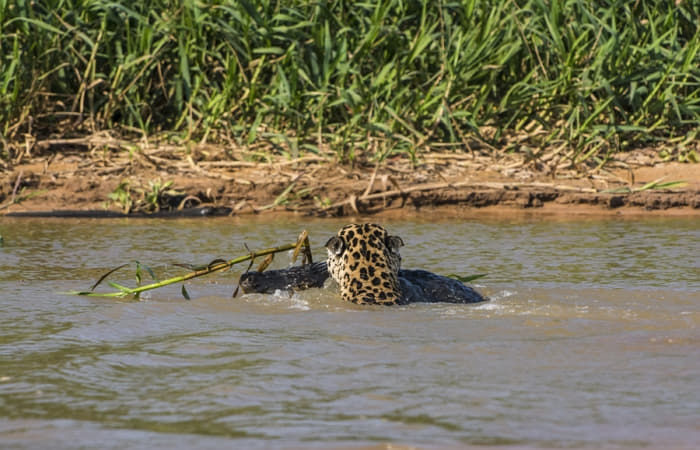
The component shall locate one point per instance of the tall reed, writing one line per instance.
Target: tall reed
(366, 79)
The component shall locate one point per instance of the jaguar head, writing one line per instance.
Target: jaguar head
(364, 260)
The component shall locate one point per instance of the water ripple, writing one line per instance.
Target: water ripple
(591, 339)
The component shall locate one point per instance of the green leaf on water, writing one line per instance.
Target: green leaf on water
(185, 293)
(138, 274)
(468, 278)
(106, 275)
(123, 289)
(148, 269)
(214, 263)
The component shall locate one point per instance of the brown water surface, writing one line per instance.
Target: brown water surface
(591, 339)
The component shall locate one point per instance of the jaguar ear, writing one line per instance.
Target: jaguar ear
(335, 245)
(393, 243)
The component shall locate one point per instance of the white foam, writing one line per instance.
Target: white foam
(489, 306)
(503, 294)
(294, 300)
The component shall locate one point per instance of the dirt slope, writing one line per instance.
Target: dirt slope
(318, 185)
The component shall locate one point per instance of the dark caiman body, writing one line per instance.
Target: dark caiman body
(416, 285)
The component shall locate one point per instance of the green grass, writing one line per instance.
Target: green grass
(366, 79)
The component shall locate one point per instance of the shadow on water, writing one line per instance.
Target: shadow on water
(590, 339)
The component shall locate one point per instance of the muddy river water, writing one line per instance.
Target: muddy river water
(591, 339)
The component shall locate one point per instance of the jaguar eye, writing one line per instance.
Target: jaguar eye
(335, 245)
(393, 243)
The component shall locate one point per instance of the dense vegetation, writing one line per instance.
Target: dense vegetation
(586, 78)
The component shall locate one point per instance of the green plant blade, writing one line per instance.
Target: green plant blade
(467, 279)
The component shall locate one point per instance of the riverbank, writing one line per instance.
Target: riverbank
(163, 178)
(386, 108)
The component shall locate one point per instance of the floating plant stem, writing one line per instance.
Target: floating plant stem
(215, 266)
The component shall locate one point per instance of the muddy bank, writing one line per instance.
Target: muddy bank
(115, 183)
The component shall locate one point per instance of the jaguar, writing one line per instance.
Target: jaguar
(364, 260)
